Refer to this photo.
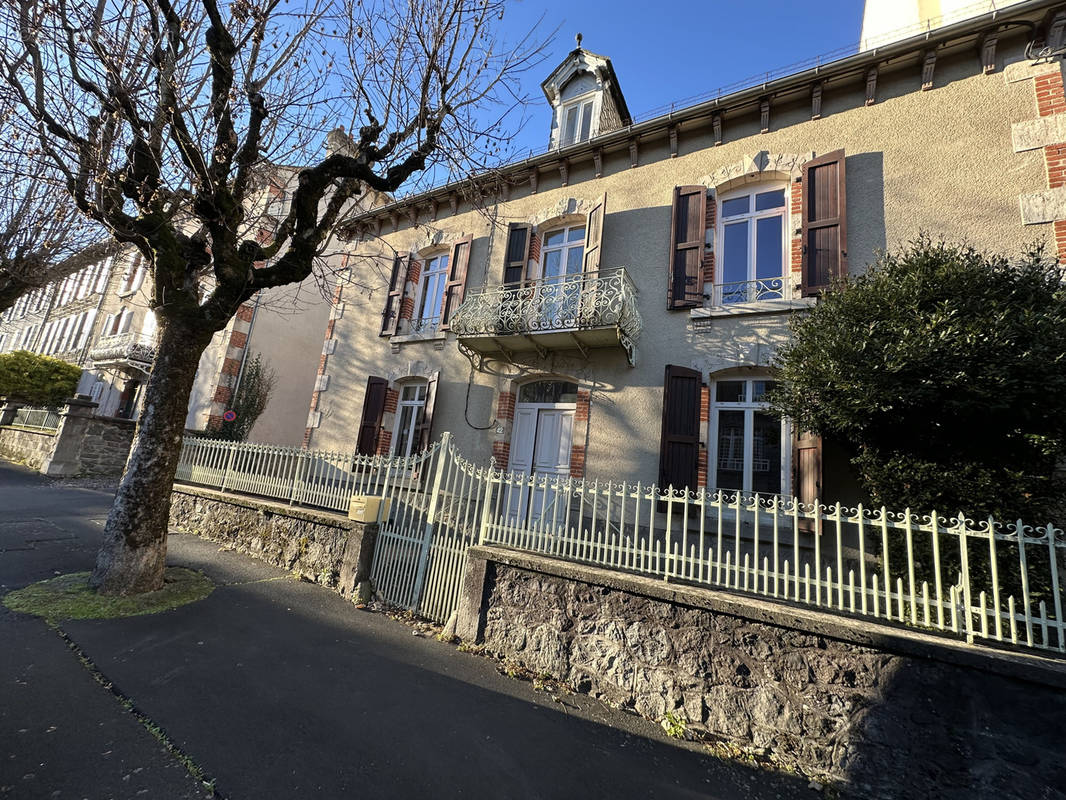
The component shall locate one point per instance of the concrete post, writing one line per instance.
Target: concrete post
(74, 420)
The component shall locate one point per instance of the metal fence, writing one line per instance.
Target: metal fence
(983, 581)
(41, 419)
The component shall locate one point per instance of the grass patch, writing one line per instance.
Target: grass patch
(69, 597)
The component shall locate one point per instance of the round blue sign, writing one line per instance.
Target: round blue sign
(230, 415)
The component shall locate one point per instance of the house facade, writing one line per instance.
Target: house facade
(612, 307)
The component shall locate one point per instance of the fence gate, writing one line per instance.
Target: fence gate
(429, 517)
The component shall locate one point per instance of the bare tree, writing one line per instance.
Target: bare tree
(167, 119)
(43, 235)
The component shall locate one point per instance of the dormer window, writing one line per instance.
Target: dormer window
(585, 98)
(577, 121)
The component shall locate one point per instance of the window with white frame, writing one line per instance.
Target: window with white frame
(133, 277)
(431, 285)
(575, 118)
(409, 413)
(751, 245)
(748, 443)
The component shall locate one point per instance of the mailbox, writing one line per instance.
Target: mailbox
(365, 507)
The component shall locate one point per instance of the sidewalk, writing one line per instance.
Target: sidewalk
(281, 689)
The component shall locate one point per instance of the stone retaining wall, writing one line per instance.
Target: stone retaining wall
(32, 448)
(105, 446)
(326, 548)
(886, 712)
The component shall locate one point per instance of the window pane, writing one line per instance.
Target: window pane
(574, 258)
(586, 121)
(730, 450)
(738, 205)
(774, 199)
(735, 253)
(554, 238)
(575, 234)
(766, 454)
(548, 392)
(405, 430)
(760, 388)
(769, 249)
(552, 263)
(729, 391)
(570, 131)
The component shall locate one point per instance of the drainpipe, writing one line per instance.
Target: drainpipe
(247, 346)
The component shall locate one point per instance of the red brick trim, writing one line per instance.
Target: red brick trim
(796, 207)
(501, 451)
(238, 340)
(708, 255)
(384, 442)
(392, 399)
(1050, 98)
(581, 412)
(244, 313)
(577, 460)
(222, 394)
(231, 366)
(505, 406)
(701, 466)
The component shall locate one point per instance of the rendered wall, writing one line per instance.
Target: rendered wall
(939, 161)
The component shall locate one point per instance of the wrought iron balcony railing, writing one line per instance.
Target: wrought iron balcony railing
(725, 294)
(124, 349)
(589, 309)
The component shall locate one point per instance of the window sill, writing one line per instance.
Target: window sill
(757, 307)
(425, 336)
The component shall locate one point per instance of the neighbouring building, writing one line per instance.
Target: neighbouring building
(100, 319)
(611, 307)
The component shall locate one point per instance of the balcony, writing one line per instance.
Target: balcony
(124, 351)
(576, 312)
(762, 296)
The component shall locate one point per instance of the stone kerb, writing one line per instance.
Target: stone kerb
(888, 711)
(318, 546)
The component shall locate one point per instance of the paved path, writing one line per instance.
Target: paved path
(281, 689)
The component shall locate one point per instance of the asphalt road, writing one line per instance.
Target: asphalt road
(280, 689)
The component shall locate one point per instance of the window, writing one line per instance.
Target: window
(747, 441)
(576, 121)
(430, 294)
(133, 277)
(548, 392)
(408, 419)
(751, 237)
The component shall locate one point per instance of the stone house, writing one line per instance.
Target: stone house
(99, 319)
(611, 307)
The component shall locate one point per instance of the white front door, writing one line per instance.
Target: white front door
(540, 446)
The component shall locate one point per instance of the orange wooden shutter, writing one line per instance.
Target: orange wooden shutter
(825, 235)
(687, 233)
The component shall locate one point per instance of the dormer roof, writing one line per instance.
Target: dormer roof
(594, 75)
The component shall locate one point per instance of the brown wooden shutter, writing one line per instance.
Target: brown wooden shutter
(680, 442)
(424, 428)
(390, 316)
(514, 268)
(825, 230)
(456, 285)
(684, 288)
(807, 469)
(594, 235)
(373, 409)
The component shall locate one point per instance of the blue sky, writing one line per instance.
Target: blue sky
(664, 52)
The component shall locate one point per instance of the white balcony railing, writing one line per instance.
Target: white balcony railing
(761, 290)
(124, 349)
(572, 304)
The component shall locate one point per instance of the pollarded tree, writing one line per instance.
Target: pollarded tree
(167, 118)
(944, 369)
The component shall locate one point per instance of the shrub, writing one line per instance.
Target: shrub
(38, 380)
(944, 370)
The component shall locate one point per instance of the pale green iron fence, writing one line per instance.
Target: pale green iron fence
(984, 581)
(45, 420)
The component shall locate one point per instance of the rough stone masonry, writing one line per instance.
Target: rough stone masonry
(889, 716)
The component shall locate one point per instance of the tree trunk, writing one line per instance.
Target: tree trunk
(133, 555)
